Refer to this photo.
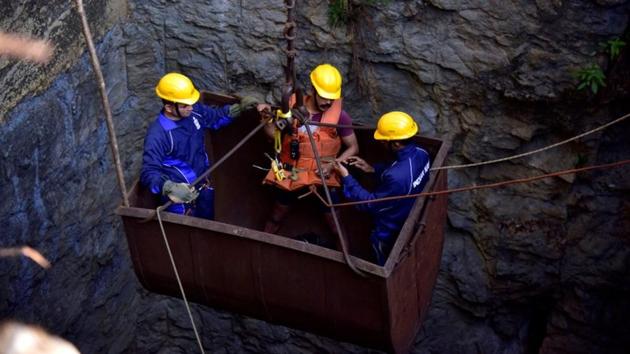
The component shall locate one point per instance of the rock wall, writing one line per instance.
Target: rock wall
(54, 20)
(531, 268)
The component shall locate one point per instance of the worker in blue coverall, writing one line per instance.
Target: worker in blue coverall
(174, 148)
(407, 174)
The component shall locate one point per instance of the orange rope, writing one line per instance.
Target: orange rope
(486, 186)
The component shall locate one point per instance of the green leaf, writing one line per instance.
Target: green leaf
(613, 47)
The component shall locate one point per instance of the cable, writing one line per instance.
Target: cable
(534, 151)
(179, 282)
(481, 163)
(485, 186)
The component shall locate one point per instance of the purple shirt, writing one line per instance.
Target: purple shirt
(344, 119)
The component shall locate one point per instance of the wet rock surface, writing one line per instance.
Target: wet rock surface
(542, 267)
(58, 22)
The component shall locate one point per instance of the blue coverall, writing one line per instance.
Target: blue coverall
(406, 175)
(175, 150)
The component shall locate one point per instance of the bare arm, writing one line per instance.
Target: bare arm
(352, 146)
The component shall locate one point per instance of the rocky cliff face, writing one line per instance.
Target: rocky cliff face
(542, 267)
(58, 22)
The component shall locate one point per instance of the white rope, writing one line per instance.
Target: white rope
(534, 151)
(260, 167)
(179, 282)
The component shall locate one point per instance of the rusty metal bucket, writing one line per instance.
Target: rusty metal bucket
(230, 264)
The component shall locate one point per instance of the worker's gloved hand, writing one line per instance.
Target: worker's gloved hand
(246, 103)
(179, 192)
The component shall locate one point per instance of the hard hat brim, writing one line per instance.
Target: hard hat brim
(189, 101)
(413, 132)
(379, 136)
(327, 95)
(193, 99)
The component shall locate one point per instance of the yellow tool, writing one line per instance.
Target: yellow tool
(276, 167)
(277, 140)
(277, 171)
(281, 120)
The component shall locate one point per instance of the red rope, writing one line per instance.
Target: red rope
(486, 186)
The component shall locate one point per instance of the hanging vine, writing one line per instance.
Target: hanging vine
(353, 14)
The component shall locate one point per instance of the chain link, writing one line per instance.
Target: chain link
(289, 30)
(290, 33)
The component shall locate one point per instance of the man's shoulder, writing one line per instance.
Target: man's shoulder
(155, 127)
(201, 108)
(419, 149)
(155, 123)
(345, 119)
(198, 107)
(422, 154)
(345, 116)
(418, 158)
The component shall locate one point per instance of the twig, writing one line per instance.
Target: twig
(113, 143)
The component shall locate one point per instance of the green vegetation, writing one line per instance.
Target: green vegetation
(591, 76)
(338, 12)
(356, 17)
(581, 160)
(613, 47)
(341, 12)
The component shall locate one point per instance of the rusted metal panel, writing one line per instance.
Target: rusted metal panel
(429, 247)
(410, 283)
(402, 301)
(230, 264)
(226, 272)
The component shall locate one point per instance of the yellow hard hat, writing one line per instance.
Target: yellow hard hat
(395, 126)
(177, 88)
(327, 81)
